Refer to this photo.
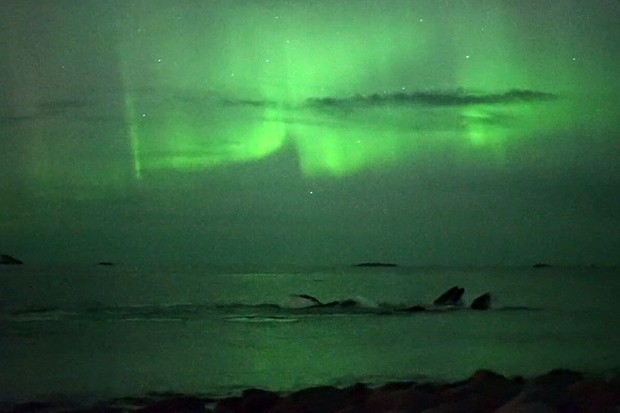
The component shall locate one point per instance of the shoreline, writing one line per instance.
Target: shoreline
(559, 391)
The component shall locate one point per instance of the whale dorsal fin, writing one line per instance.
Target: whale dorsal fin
(450, 297)
(482, 302)
(309, 297)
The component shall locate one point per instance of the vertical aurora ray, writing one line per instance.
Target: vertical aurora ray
(177, 120)
(488, 62)
(509, 48)
(130, 118)
(204, 104)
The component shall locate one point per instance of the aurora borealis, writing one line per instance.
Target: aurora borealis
(423, 132)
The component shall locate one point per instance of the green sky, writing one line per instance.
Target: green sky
(413, 115)
(236, 91)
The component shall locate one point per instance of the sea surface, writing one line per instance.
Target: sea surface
(89, 333)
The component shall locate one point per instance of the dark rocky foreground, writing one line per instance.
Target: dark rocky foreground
(8, 260)
(559, 391)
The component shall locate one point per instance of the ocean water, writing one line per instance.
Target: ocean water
(90, 333)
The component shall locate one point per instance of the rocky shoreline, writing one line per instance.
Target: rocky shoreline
(559, 391)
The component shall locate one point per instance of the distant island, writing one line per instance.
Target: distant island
(375, 264)
(8, 260)
(105, 264)
(541, 265)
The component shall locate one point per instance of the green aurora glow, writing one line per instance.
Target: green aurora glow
(203, 96)
(262, 131)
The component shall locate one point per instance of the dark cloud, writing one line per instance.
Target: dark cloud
(47, 109)
(438, 99)
(9, 120)
(60, 106)
(248, 102)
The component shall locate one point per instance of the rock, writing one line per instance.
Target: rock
(544, 393)
(482, 302)
(99, 409)
(591, 396)
(396, 385)
(182, 404)
(105, 264)
(376, 264)
(228, 405)
(525, 407)
(8, 260)
(356, 397)
(551, 387)
(257, 400)
(460, 406)
(485, 391)
(323, 399)
(410, 399)
(32, 407)
(541, 265)
(357, 394)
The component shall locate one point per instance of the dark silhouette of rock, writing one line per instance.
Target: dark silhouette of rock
(228, 405)
(106, 264)
(541, 265)
(546, 392)
(8, 260)
(484, 391)
(323, 399)
(450, 297)
(390, 399)
(482, 302)
(32, 407)
(591, 395)
(258, 400)
(182, 404)
(357, 394)
(99, 409)
(376, 264)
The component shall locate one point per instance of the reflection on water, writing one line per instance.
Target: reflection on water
(129, 335)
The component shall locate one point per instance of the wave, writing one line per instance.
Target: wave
(293, 309)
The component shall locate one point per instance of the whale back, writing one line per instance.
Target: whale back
(302, 301)
(482, 302)
(450, 297)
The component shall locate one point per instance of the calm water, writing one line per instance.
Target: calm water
(92, 333)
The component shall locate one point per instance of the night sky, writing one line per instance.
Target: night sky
(429, 132)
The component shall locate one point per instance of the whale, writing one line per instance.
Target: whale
(8, 260)
(451, 297)
(306, 300)
(482, 302)
(310, 298)
(448, 300)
